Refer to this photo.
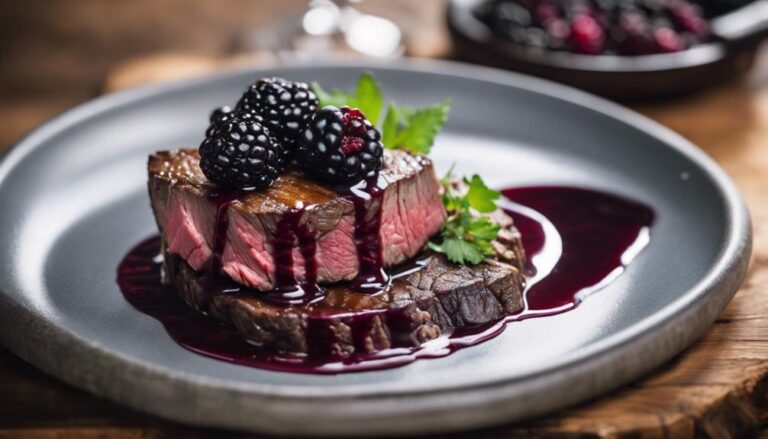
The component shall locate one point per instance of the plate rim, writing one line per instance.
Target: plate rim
(726, 275)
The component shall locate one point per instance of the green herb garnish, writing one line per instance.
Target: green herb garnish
(468, 231)
(403, 127)
(416, 130)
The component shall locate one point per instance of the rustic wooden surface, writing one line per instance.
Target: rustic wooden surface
(718, 388)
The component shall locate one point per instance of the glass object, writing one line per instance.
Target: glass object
(327, 28)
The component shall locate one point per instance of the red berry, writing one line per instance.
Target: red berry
(593, 27)
(634, 35)
(558, 29)
(690, 19)
(668, 40)
(545, 11)
(354, 121)
(351, 144)
(586, 35)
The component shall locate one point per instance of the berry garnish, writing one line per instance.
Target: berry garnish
(340, 146)
(285, 107)
(240, 154)
(218, 117)
(223, 114)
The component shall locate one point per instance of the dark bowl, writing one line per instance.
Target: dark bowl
(731, 53)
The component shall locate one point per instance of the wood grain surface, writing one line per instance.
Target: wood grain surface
(718, 388)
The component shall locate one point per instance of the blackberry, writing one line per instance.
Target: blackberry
(285, 106)
(240, 154)
(218, 117)
(223, 114)
(340, 145)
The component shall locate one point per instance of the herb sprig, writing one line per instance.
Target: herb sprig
(468, 231)
(403, 127)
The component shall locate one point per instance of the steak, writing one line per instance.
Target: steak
(185, 208)
(245, 238)
(429, 298)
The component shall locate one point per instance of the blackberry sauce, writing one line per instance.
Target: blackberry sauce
(577, 242)
(288, 291)
(367, 196)
(222, 203)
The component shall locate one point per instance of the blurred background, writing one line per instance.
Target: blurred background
(56, 54)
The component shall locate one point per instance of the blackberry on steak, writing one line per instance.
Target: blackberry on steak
(285, 106)
(340, 146)
(223, 114)
(240, 154)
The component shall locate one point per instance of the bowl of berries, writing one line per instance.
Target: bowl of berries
(624, 49)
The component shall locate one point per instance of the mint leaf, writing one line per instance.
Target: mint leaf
(368, 97)
(389, 128)
(406, 111)
(461, 252)
(337, 98)
(420, 128)
(480, 197)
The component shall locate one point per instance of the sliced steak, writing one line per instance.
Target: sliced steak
(184, 205)
(437, 298)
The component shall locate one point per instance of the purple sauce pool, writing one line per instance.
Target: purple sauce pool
(577, 242)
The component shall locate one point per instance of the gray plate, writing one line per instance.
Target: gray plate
(74, 201)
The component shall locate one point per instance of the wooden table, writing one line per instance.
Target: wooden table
(717, 388)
